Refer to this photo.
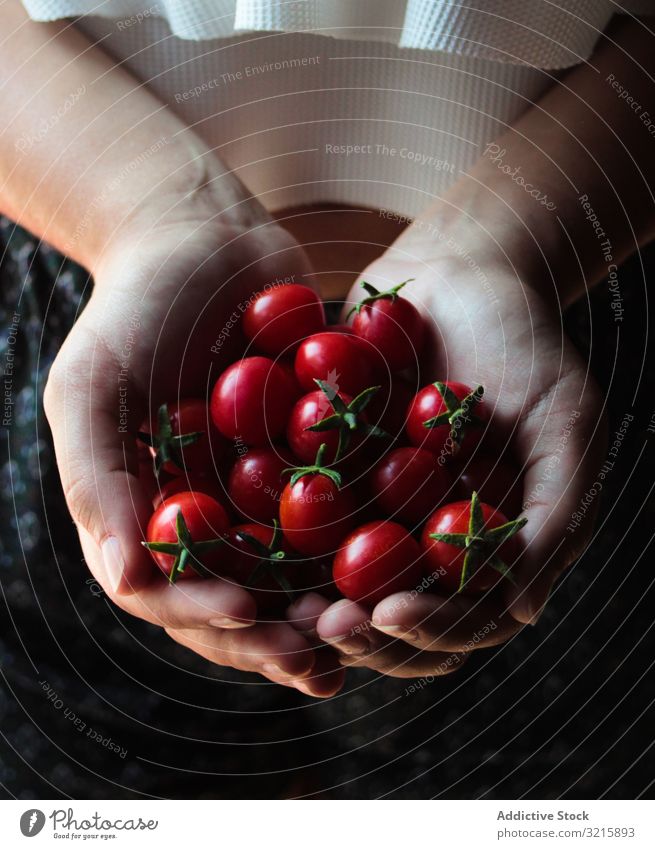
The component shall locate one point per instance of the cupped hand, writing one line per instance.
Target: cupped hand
(158, 327)
(489, 328)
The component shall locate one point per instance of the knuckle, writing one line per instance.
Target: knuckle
(82, 500)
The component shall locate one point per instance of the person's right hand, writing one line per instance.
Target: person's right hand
(162, 295)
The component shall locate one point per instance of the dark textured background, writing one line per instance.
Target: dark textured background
(565, 709)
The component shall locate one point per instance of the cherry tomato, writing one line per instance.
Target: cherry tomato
(278, 319)
(255, 561)
(497, 482)
(376, 560)
(457, 437)
(203, 520)
(341, 360)
(408, 484)
(310, 409)
(183, 439)
(316, 513)
(256, 483)
(392, 325)
(251, 401)
(192, 483)
(488, 560)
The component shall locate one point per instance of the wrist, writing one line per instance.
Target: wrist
(471, 239)
(170, 214)
(191, 188)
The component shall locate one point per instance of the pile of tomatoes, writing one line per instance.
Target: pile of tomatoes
(316, 463)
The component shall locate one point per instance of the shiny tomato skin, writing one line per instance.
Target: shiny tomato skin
(497, 482)
(395, 328)
(251, 401)
(278, 319)
(408, 484)
(205, 518)
(191, 415)
(445, 562)
(428, 403)
(341, 360)
(315, 515)
(255, 484)
(376, 560)
(192, 483)
(240, 560)
(308, 410)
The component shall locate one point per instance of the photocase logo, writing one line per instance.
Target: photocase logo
(32, 822)
(324, 407)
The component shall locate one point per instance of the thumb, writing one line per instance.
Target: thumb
(97, 456)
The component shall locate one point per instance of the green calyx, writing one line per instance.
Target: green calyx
(271, 557)
(375, 295)
(346, 417)
(481, 545)
(186, 551)
(168, 447)
(318, 468)
(459, 415)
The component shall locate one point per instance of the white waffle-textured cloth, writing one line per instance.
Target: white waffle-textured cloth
(375, 102)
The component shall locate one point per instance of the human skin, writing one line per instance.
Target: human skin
(180, 230)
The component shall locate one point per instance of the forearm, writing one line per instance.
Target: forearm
(524, 200)
(87, 150)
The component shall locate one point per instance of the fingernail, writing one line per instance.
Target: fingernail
(273, 670)
(397, 632)
(353, 646)
(113, 560)
(526, 612)
(227, 622)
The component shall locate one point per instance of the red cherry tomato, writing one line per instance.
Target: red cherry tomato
(205, 520)
(241, 558)
(309, 410)
(497, 483)
(256, 483)
(192, 483)
(251, 401)
(278, 319)
(376, 560)
(183, 439)
(408, 484)
(315, 514)
(445, 562)
(392, 325)
(337, 358)
(430, 403)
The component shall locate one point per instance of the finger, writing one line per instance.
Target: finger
(304, 613)
(273, 649)
(345, 625)
(189, 603)
(433, 623)
(325, 679)
(98, 463)
(561, 441)
(398, 660)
